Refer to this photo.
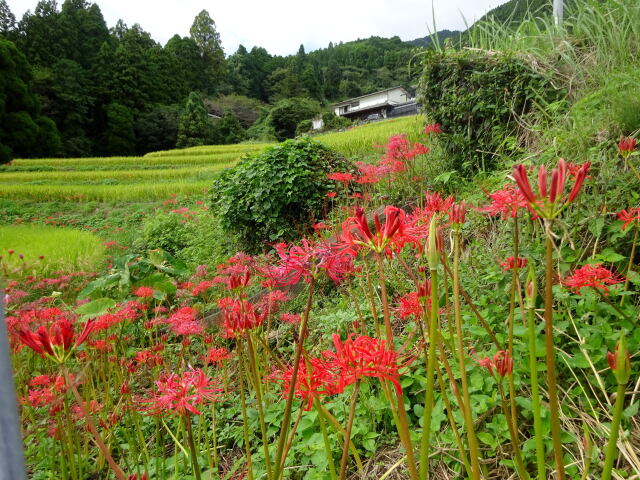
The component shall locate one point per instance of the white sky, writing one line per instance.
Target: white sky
(281, 26)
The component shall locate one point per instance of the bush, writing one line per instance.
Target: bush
(304, 127)
(273, 195)
(477, 97)
(287, 114)
(196, 241)
(332, 121)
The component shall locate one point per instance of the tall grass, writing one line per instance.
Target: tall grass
(363, 140)
(62, 248)
(119, 176)
(103, 193)
(209, 149)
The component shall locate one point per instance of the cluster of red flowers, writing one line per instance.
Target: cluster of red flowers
(505, 202)
(239, 317)
(184, 321)
(593, 276)
(626, 146)
(630, 216)
(501, 363)
(433, 128)
(181, 394)
(510, 263)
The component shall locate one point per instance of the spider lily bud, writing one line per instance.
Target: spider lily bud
(433, 255)
(620, 362)
(531, 289)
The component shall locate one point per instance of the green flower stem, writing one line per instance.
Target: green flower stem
(372, 299)
(550, 356)
(292, 435)
(286, 419)
(258, 388)
(612, 448)
(245, 426)
(325, 439)
(332, 420)
(466, 407)
(635, 172)
(515, 444)
(431, 366)
(192, 448)
(633, 252)
(214, 437)
(385, 304)
(512, 310)
(352, 414)
(535, 397)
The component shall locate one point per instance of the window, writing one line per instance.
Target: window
(355, 104)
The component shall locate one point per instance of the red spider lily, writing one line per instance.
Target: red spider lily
(143, 292)
(217, 355)
(56, 342)
(502, 363)
(394, 233)
(181, 394)
(272, 300)
(135, 476)
(290, 318)
(332, 194)
(239, 316)
(336, 260)
(362, 356)
(46, 391)
(296, 262)
(510, 263)
(202, 287)
(343, 177)
(184, 322)
(315, 378)
(505, 202)
(433, 128)
(594, 276)
(410, 306)
(549, 203)
(633, 215)
(626, 146)
(372, 173)
(457, 214)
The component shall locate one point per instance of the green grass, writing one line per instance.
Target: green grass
(112, 176)
(65, 249)
(209, 150)
(104, 193)
(363, 140)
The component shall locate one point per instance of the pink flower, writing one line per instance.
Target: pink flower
(143, 292)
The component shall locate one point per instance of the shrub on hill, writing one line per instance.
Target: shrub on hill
(478, 98)
(275, 194)
(287, 114)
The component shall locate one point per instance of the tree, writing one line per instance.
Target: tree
(157, 129)
(23, 131)
(229, 128)
(203, 32)
(7, 20)
(120, 136)
(84, 31)
(41, 34)
(288, 113)
(193, 127)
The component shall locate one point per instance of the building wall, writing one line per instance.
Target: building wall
(397, 96)
(391, 96)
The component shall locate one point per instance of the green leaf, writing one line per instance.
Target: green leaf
(96, 308)
(487, 439)
(631, 410)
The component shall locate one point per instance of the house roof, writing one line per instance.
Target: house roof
(369, 94)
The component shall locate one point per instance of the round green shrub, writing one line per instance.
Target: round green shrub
(275, 194)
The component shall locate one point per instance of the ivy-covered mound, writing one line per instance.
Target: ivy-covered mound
(274, 195)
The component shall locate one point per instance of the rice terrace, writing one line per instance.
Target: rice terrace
(409, 256)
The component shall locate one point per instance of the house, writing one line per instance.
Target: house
(378, 105)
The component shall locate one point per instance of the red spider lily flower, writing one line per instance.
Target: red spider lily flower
(549, 202)
(505, 202)
(343, 177)
(202, 287)
(143, 292)
(315, 378)
(239, 316)
(361, 356)
(290, 318)
(296, 262)
(510, 263)
(410, 306)
(336, 260)
(58, 341)
(457, 214)
(633, 215)
(626, 146)
(332, 194)
(184, 322)
(272, 300)
(394, 232)
(502, 363)
(215, 356)
(135, 476)
(433, 128)
(181, 394)
(594, 276)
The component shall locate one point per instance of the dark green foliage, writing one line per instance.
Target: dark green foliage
(121, 139)
(194, 127)
(287, 114)
(304, 127)
(23, 131)
(275, 194)
(203, 32)
(157, 129)
(332, 121)
(477, 98)
(228, 129)
(247, 110)
(7, 20)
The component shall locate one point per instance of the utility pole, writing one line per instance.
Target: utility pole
(11, 455)
(558, 11)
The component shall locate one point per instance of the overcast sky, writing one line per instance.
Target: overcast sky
(281, 26)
